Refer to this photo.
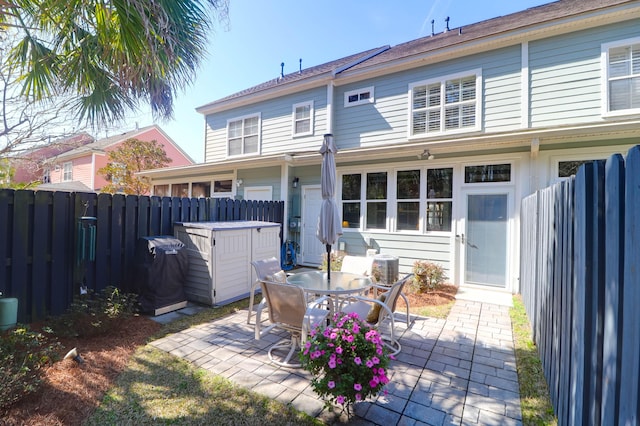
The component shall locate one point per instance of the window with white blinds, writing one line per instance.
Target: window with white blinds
(622, 61)
(449, 104)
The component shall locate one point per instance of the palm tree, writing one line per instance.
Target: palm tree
(110, 54)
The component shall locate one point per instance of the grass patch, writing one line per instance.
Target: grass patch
(437, 311)
(534, 393)
(158, 388)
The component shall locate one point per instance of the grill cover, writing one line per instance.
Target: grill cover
(161, 271)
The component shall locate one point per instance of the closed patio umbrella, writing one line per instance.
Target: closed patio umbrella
(329, 226)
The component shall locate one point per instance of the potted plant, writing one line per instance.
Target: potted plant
(347, 359)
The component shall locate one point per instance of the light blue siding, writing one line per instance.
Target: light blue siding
(263, 176)
(386, 120)
(408, 248)
(277, 127)
(566, 75)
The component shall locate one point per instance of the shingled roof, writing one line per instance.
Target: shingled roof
(457, 36)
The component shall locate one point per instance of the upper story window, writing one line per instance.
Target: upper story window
(67, 171)
(450, 104)
(621, 66)
(243, 135)
(303, 119)
(46, 175)
(359, 97)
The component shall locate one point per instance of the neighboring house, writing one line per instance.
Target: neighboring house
(439, 138)
(77, 168)
(35, 165)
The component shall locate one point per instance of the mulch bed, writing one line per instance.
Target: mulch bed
(72, 391)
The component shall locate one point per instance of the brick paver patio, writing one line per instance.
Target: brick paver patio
(460, 371)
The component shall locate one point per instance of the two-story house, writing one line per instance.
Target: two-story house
(74, 166)
(439, 138)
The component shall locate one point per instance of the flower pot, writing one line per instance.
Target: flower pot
(8, 313)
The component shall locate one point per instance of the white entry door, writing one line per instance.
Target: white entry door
(485, 238)
(311, 249)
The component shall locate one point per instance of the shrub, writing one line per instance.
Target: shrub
(336, 261)
(93, 313)
(427, 275)
(23, 355)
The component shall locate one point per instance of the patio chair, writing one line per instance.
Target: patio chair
(266, 270)
(288, 310)
(376, 310)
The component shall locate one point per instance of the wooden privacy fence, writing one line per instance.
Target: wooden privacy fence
(580, 282)
(44, 254)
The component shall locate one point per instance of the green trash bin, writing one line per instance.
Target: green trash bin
(8, 313)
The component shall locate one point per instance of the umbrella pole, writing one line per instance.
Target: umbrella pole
(328, 262)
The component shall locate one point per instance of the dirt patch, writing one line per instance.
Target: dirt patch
(73, 391)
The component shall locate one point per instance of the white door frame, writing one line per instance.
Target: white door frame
(461, 229)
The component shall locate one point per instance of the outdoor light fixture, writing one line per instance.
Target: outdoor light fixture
(74, 355)
(426, 155)
(295, 182)
(239, 183)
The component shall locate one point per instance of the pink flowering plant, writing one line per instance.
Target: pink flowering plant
(347, 359)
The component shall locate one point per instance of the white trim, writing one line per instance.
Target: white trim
(243, 118)
(93, 171)
(359, 92)
(477, 73)
(294, 120)
(604, 80)
(524, 86)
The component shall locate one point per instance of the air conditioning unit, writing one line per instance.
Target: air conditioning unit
(388, 266)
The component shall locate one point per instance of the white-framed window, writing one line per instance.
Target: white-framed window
(222, 187)
(439, 199)
(303, 119)
(359, 96)
(67, 171)
(446, 105)
(46, 175)
(621, 77)
(408, 200)
(243, 135)
(397, 200)
(487, 173)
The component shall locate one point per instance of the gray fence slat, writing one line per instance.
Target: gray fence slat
(614, 251)
(631, 301)
(581, 259)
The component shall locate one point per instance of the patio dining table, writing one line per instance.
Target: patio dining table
(341, 283)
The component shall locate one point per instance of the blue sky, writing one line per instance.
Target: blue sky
(262, 34)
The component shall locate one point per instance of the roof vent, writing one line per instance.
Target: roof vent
(433, 32)
(300, 69)
(446, 20)
(282, 70)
